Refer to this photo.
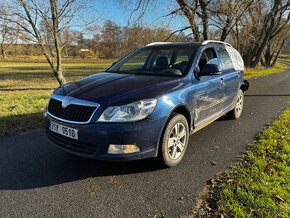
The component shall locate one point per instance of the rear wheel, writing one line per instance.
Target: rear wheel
(237, 111)
(174, 141)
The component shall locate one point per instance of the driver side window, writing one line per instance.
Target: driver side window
(208, 57)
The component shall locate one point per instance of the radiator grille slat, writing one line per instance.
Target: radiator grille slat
(73, 112)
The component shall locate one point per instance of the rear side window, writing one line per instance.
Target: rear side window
(226, 61)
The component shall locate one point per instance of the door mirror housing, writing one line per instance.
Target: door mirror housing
(210, 69)
(113, 63)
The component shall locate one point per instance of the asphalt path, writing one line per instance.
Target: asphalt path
(38, 179)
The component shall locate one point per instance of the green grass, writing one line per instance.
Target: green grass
(25, 89)
(261, 71)
(259, 184)
(284, 57)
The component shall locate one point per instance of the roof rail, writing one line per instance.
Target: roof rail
(158, 43)
(214, 41)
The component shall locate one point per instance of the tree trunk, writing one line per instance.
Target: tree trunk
(268, 56)
(225, 30)
(204, 18)
(278, 53)
(59, 76)
(262, 62)
(57, 70)
(190, 15)
(3, 54)
(270, 18)
(54, 15)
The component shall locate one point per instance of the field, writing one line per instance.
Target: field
(258, 184)
(25, 88)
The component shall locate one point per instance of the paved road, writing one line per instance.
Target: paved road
(37, 179)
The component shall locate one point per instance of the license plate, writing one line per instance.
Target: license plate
(63, 130)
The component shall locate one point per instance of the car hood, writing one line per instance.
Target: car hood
(114, 88)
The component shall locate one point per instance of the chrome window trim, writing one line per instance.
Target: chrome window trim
(74, 101)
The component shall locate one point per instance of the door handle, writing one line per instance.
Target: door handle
(222, 81)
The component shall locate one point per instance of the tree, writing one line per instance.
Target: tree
(263, 22)
(274, 48)
(112, 39)
(8, 31)
(225, 14)
(67, 37)
(252, 25)
(55, 17)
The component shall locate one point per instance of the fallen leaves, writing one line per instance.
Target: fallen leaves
(212, 162)
(268, 166)
(279, 198)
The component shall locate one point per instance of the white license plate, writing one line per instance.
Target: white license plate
(63, 130)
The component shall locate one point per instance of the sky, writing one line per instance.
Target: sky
(119, 12)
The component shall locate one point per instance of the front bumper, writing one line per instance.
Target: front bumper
(95, 138)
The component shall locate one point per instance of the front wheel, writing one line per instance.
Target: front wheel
(174, 141)
(237, 111)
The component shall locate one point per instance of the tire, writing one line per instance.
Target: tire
(238, 109)
(174, 140)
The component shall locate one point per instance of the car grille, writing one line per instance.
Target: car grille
(73, 112)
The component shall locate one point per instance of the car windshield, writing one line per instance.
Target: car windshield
(158, 61)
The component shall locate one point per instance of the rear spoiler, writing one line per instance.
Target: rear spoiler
(245, 85)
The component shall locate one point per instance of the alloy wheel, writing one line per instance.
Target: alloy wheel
(177, 140)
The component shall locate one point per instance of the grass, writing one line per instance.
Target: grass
(27, 82)
(25, 89)
(284, 57)
(261, 71)
(258, 185)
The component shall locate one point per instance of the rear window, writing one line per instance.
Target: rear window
(226, 61)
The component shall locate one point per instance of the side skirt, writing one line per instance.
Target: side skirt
(210, 120)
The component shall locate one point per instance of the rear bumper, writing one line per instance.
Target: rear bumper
(94, 139)
(245, 85)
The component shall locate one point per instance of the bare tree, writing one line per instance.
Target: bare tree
(8, 31)
(189, 10)
(225, 14)
(274, 47)
(264, 22)
(55, 18)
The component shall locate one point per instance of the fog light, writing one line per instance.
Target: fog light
(123, 149)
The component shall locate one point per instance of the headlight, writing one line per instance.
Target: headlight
(127, 113)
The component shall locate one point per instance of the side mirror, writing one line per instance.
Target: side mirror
(211, 69)
(113, 63)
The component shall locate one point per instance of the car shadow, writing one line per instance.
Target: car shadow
(39, 165)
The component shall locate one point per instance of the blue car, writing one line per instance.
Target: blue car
(146, 104)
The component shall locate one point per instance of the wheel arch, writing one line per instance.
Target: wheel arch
(183, 110)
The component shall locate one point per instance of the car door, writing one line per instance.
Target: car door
(231, 77)
(209, 89)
